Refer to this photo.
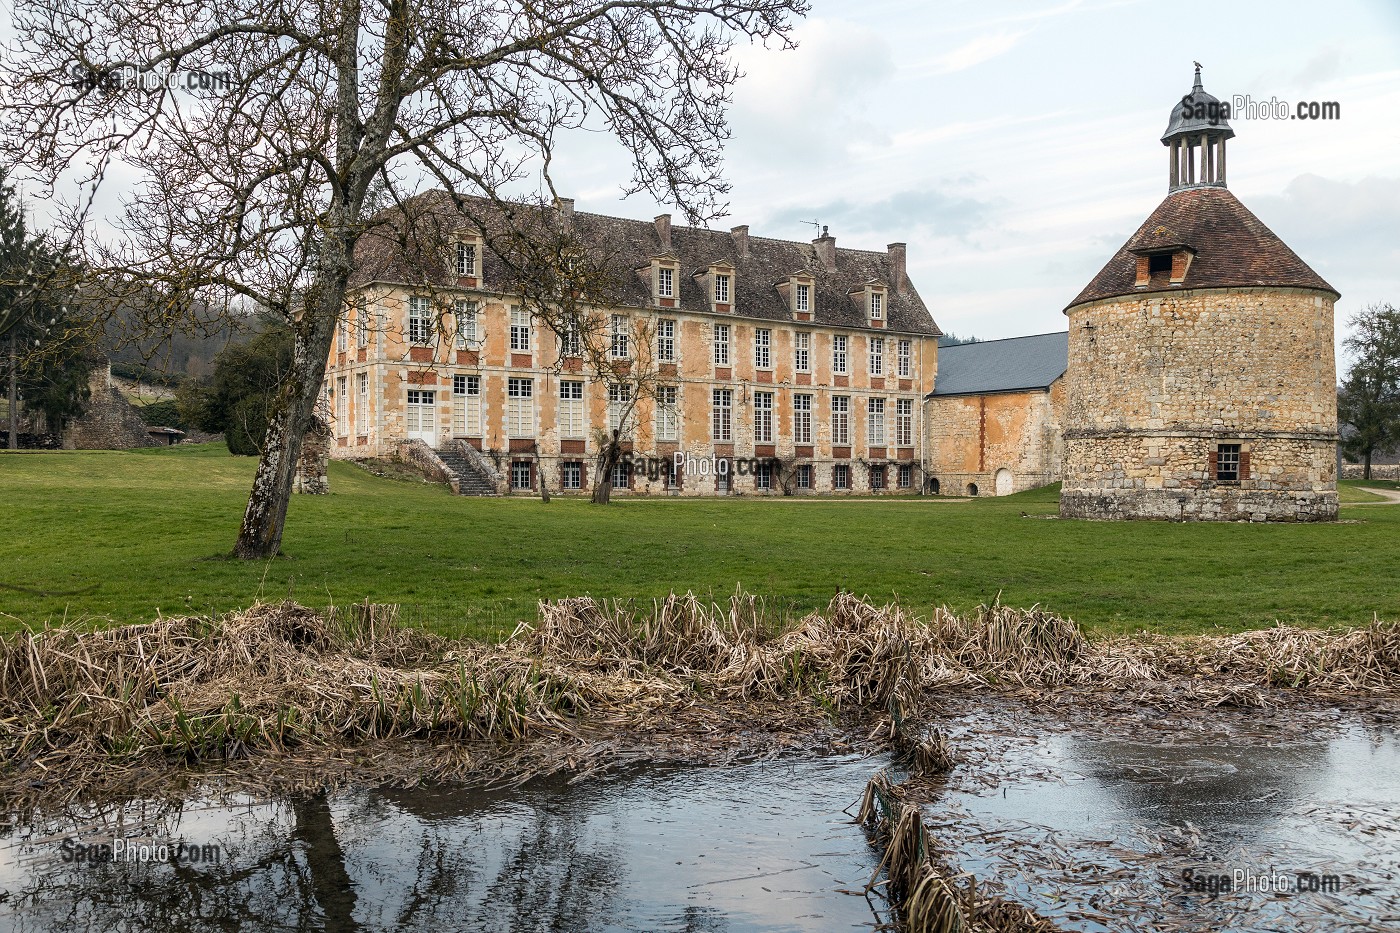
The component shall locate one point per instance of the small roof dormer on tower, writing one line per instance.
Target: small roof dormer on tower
(1196, 136)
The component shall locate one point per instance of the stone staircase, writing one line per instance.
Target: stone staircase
(471, 479)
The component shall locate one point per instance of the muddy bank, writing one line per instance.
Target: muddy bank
(281, 697)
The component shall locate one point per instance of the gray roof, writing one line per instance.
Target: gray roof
(1010, 365)
(385, 253)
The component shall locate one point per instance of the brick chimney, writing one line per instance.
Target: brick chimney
(826, 250)
(663, 231)
(741, 239)
(899, 279)
(565, 207)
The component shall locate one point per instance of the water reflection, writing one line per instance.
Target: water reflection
(755, 848)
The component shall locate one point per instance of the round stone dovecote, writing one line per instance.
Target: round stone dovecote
(1201, 381)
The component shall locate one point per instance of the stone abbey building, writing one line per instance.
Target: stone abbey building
(806, 361)
(1201, 381)
(1196, 380)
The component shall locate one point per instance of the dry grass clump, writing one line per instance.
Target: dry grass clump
(926, 899)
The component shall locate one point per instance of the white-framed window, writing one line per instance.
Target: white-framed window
(841, 420)
(904, 422)
(571, 474)
(420, 323)
(362, 403)
(721, 344)
(571, 342)
(520, 474)
(1227, 463)
(571, 420)
(721, 289)
(520, 407)
(466, 259)
(839, 343)
(666, 340)
(342, 334)
(877, 306)
(802, 351)
(665, 282)
(802, 299)
(722, 414)
(465, 313)
(519, 329)
(421, 416)
(762, 348)
(619, 408)
(763, 417)
(621, 475)
(804, 476)
(904, 358)
(763, 474)
(875, 422)
(466, 405)
(362, 324)
(906, 476)
(841, 476)
(877, 356)
(667, 417)
(342, 406)
(802, 419)
(618, 334)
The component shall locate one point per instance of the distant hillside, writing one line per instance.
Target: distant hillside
(953, 340)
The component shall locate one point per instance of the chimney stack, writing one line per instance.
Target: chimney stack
(826, 250)
(663, 231)
(899, 280)
(741, 239)
(565, 207)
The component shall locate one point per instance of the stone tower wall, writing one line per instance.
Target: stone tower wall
(1156, 381)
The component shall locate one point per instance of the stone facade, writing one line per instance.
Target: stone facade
(997, 443)
(1158, 382)
(817, 387)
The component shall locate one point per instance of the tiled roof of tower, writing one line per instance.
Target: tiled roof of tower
(1232, 248)
(628, 245)
(1010, 365)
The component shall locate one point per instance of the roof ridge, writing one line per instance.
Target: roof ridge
(980, 342)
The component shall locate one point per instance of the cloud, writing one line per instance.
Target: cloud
(970, 54)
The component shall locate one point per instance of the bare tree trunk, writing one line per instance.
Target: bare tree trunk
(14, 395)
(607, 460)
(544, 487)
(1366, 471)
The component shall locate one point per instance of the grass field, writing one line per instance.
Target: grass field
(127, 535)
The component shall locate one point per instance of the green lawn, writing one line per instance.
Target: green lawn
(128, 534)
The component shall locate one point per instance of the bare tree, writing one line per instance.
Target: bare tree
(307, 118)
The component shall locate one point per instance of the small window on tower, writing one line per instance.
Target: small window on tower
(1227, 463)
(1162, 263)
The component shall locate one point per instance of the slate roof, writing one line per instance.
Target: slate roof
(1233, 249)
(623, 246)
(1010, 365)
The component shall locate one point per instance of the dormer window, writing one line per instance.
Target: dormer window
(1159, 263)
(721, 288)
(466, 259)
(663, 272)
(877, 306)
(665, 282)
(802, 297)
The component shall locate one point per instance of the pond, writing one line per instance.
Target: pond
(1118, 830)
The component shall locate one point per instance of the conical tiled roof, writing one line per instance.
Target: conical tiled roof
(1232, 249)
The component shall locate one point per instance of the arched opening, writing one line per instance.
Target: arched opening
(972, 489)
(1004, 482)
(933, 485)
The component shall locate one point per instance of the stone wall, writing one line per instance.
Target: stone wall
(109, 421)
(974, 438)
(1156, 382)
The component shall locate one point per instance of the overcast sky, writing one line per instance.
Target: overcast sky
(1015, 146)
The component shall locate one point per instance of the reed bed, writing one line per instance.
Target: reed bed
(281, 678)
